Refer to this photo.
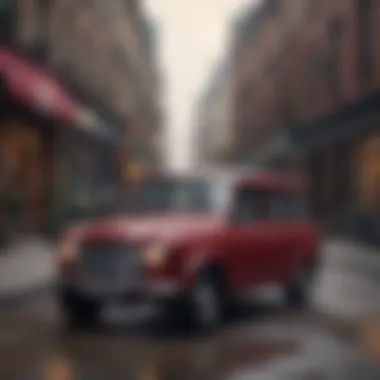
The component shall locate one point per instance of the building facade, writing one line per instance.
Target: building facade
(213, 125)
(306, 97)
(108, 48)
(79, 86)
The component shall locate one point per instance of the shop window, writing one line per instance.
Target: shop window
(364, 38)
(369, 174)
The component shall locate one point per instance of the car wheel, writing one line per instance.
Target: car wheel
(298, 291)
(79, 312)
(206, 304)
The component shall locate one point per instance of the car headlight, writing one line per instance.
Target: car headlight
(155, 255)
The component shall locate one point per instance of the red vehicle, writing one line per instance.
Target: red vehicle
(194, 241)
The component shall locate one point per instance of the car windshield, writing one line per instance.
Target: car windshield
(174, 195)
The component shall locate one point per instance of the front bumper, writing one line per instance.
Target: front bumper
(167, 289)
(153, 290)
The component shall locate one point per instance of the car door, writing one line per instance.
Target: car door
(248, 237)
(287, 214)
(284, 225)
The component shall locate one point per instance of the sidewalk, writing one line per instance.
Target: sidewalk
(348, 284)
(348, 287)
(26, 266)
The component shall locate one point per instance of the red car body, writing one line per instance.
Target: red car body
(174, 247)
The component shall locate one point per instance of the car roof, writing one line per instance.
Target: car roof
(259, 178)
(262, 178)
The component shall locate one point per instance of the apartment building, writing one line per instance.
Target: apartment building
(306, 96)
(213, 119)
(79, 87)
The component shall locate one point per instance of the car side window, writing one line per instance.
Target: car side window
(279, 207)
(250, 205)
(287, 206)
(301, 208)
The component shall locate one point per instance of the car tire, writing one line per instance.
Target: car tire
(298, 291)
(206, 303)
(79, 312)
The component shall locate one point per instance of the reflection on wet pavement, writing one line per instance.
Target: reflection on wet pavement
(321, 356)
(273, 346)
(202, 360)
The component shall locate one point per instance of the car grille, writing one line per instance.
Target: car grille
(111, 260)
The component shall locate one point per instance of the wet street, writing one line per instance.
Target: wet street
(263, 343)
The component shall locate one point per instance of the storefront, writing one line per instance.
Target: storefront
(32, 107)
(339, 157)
(90, 172)
(368, 173)
(49, 145)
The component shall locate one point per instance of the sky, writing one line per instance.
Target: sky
(192, 38)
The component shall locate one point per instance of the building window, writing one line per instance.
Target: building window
(334, 59)
(364, 29)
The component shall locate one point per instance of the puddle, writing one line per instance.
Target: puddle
(220, 359)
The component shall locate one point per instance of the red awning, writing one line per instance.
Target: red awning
(32, 86)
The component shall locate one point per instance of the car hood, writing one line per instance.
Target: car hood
(162, 227)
